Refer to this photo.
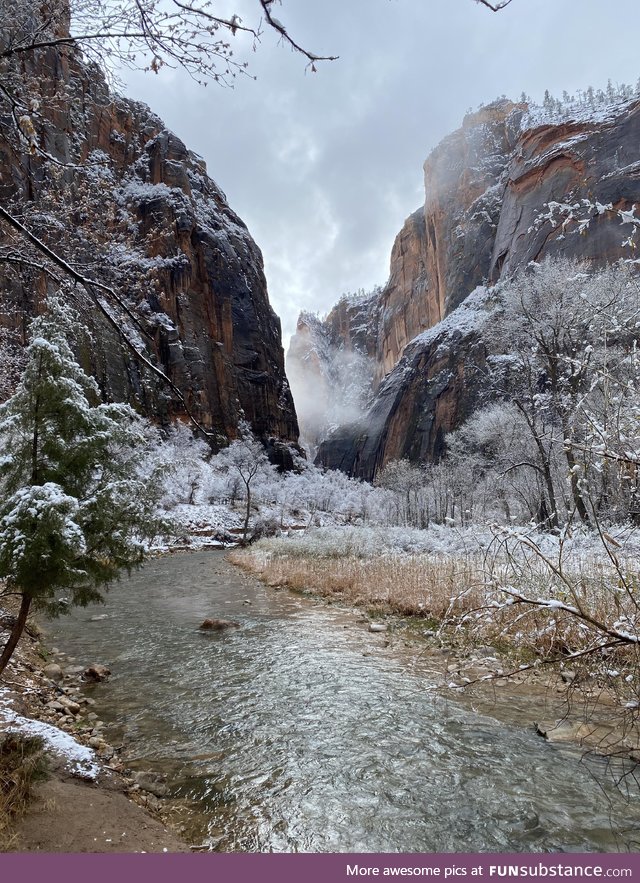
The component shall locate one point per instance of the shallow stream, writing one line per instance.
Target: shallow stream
(301, 731)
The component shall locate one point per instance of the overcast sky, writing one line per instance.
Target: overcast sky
(325, 167)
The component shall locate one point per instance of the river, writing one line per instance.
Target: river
(301, 731)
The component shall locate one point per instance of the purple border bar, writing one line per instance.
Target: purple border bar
(314, 868)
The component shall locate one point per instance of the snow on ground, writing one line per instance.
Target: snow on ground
(444, 540)
(79, 760)
(213, 516)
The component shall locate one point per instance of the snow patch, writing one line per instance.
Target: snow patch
(79, 760)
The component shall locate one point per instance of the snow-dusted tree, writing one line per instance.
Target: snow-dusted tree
(246, 458)
(407, 483)
(561, 320)
(182, 459)
(507, 474)
(72, 513)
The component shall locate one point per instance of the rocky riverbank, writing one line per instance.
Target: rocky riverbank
(88, 802)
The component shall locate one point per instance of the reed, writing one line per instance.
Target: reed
(409, 585)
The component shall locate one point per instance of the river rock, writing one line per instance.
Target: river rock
(53, 671)
(151, 782)
(377, 627)
(71, 706)
(484, 650)
(568, 676)
(54, 705)
(218, 625)
(96, 673)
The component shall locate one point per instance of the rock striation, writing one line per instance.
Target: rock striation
(507, 188)
(101, 181)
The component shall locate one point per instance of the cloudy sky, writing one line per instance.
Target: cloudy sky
(325, 167)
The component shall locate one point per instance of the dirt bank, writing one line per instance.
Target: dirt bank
(75, 816)
(71, 812)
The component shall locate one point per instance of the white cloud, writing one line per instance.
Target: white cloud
(324, 167)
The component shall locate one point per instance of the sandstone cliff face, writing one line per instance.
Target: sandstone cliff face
(434, 386)
(124, 198)
(444, 249)
(497, 194)
(330, 366)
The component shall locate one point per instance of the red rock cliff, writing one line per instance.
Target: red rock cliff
(497, 192)
(113, 191)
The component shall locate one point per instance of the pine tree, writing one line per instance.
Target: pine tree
(72, 513)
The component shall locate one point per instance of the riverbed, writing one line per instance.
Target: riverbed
(301, 731)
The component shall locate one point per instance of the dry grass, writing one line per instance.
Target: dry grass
(461, 593)
(409, 585)
(22, 764)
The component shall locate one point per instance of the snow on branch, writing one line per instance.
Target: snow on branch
(93, 287)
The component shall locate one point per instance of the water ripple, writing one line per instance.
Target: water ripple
(282, 735)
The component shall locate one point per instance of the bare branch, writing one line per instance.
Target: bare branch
(10, 256)
(280, 28)
(494, 7)
(182, 33)
(92, 287)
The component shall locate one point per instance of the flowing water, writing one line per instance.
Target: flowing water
(300, 731)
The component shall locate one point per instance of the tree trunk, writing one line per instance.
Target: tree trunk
(247, 516)
(575, 486)
(545, 465)
(16, 632)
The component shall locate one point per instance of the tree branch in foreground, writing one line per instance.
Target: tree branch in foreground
(280, 28)
(92, 287)
(494, 7)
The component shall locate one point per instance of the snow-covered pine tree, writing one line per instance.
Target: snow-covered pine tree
(72, 513)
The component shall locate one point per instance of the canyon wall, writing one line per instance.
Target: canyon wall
(505, 189)
(100, 180)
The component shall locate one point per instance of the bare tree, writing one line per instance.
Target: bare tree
(246, 458)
